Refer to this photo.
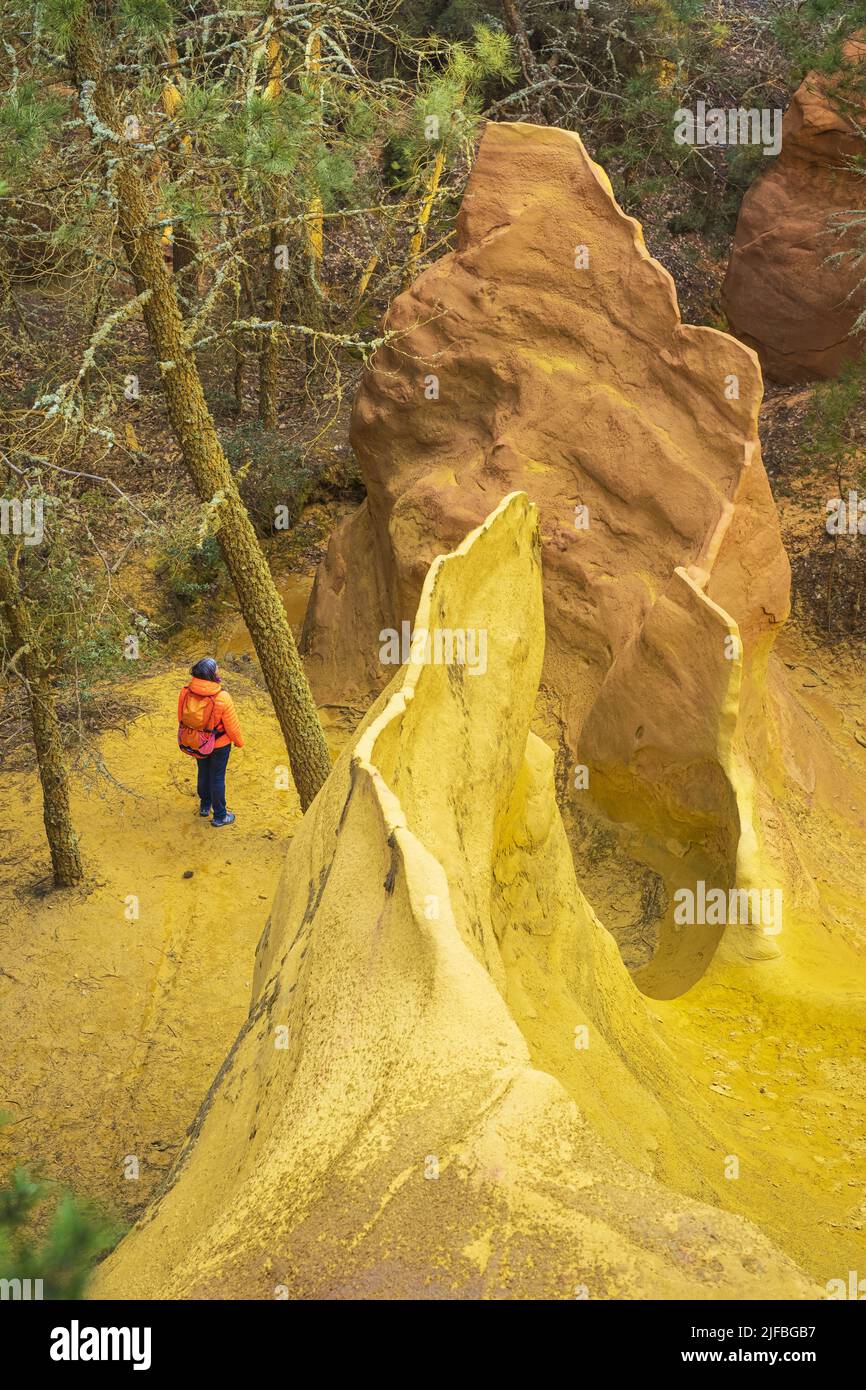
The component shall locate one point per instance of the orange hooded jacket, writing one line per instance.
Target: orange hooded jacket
(223, 710)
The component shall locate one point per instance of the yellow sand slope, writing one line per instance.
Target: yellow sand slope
(380, 1128)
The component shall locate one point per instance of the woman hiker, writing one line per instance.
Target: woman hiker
(207, 728)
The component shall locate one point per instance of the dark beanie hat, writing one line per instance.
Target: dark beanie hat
(206, 669)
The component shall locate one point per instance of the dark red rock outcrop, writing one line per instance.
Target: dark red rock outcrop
(780, 294)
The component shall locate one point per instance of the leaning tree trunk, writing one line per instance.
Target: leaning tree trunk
(196, 435)
(62, 840)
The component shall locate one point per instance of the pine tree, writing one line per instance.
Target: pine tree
(193, 424)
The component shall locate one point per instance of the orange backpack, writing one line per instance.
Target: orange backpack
(196, 732)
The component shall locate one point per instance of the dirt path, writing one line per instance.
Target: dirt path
(120, 1002)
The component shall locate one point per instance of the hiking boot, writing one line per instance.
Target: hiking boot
(229, 820)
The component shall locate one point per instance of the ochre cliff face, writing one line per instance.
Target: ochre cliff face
(780, 294)
(547, 354)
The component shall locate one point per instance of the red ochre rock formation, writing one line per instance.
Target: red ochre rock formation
(780, 294)
(547, 353)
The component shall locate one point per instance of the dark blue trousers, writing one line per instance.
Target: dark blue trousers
(212, 781)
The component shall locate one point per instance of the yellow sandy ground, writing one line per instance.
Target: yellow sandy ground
(113, 1029)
